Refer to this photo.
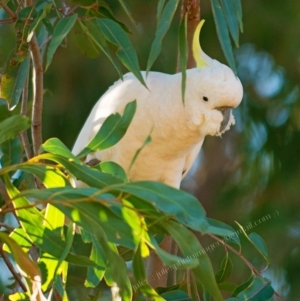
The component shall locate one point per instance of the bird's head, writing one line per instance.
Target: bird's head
(215, 88)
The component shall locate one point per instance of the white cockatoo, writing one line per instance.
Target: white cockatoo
(177, 128)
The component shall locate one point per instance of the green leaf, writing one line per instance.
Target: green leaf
(11, 152)
(260, 245)
(31, 222)
(224, 230)
(112, 130)
(191, 248)
(257, 242)
(127, 11)
(176, 295)
(12, 126)
(160, 6)
(13, 80)
(115, 34)
(239, 13)
(183, 53)
(258, 290)
(183, 206)
(93, 209)
(229, 10)
(28, 267)
(163, 26)
(80, 171)
(85, 42)
(94, 32)
(173, 261)
(223, 33)
(114, 169)
(21, 238)
(96, 274)
(141, 281)
(225, 271)
(39, 18)
(56, 147)
(60, 32)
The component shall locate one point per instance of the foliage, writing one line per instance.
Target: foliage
(91, 243)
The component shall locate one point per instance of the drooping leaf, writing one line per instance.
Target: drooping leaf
(229, 9)
(258, 290)
(127, 11)
(225, 271)
(223, 33)
(224, 230)
(239, 13)
(61, 30)
(115, 34)
(94, 32)
(183, 53)
(42, 14)
(163, 26)
(13, 80)
(173, 261)
(20, 237)
(29, 268)
(112, 130)
(191, 248)
(259, 244)
(160, 6)
(84, 42)
(141, 281)
(12, 126)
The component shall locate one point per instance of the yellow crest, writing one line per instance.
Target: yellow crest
(197, 51)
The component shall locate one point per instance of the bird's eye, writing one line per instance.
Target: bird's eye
(205, 98)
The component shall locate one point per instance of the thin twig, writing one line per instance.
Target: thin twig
(24, 136)
(9, 228)
(192, 8)
(37, 106)
(12, 270)
(251, 267)
(8, 10)
(195, 288)
(7, 21)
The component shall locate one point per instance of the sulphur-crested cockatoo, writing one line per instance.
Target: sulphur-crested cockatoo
(177, 128)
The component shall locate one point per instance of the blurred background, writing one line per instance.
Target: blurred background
(252, 173)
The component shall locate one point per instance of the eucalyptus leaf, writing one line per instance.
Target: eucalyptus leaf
(225, 270)
(115, 34)
(12, 126)
(176, 295)
(223, 33)
(61, 30)
(13, 80)
(191, 248)
(112, 130)
(163, 25)
(229, 9)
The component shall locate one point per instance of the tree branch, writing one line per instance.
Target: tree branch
(37, 107)
(12, 270)
(23, 135)
(192, 8)
(8, 10)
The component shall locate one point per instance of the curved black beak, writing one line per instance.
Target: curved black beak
(226, 112)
